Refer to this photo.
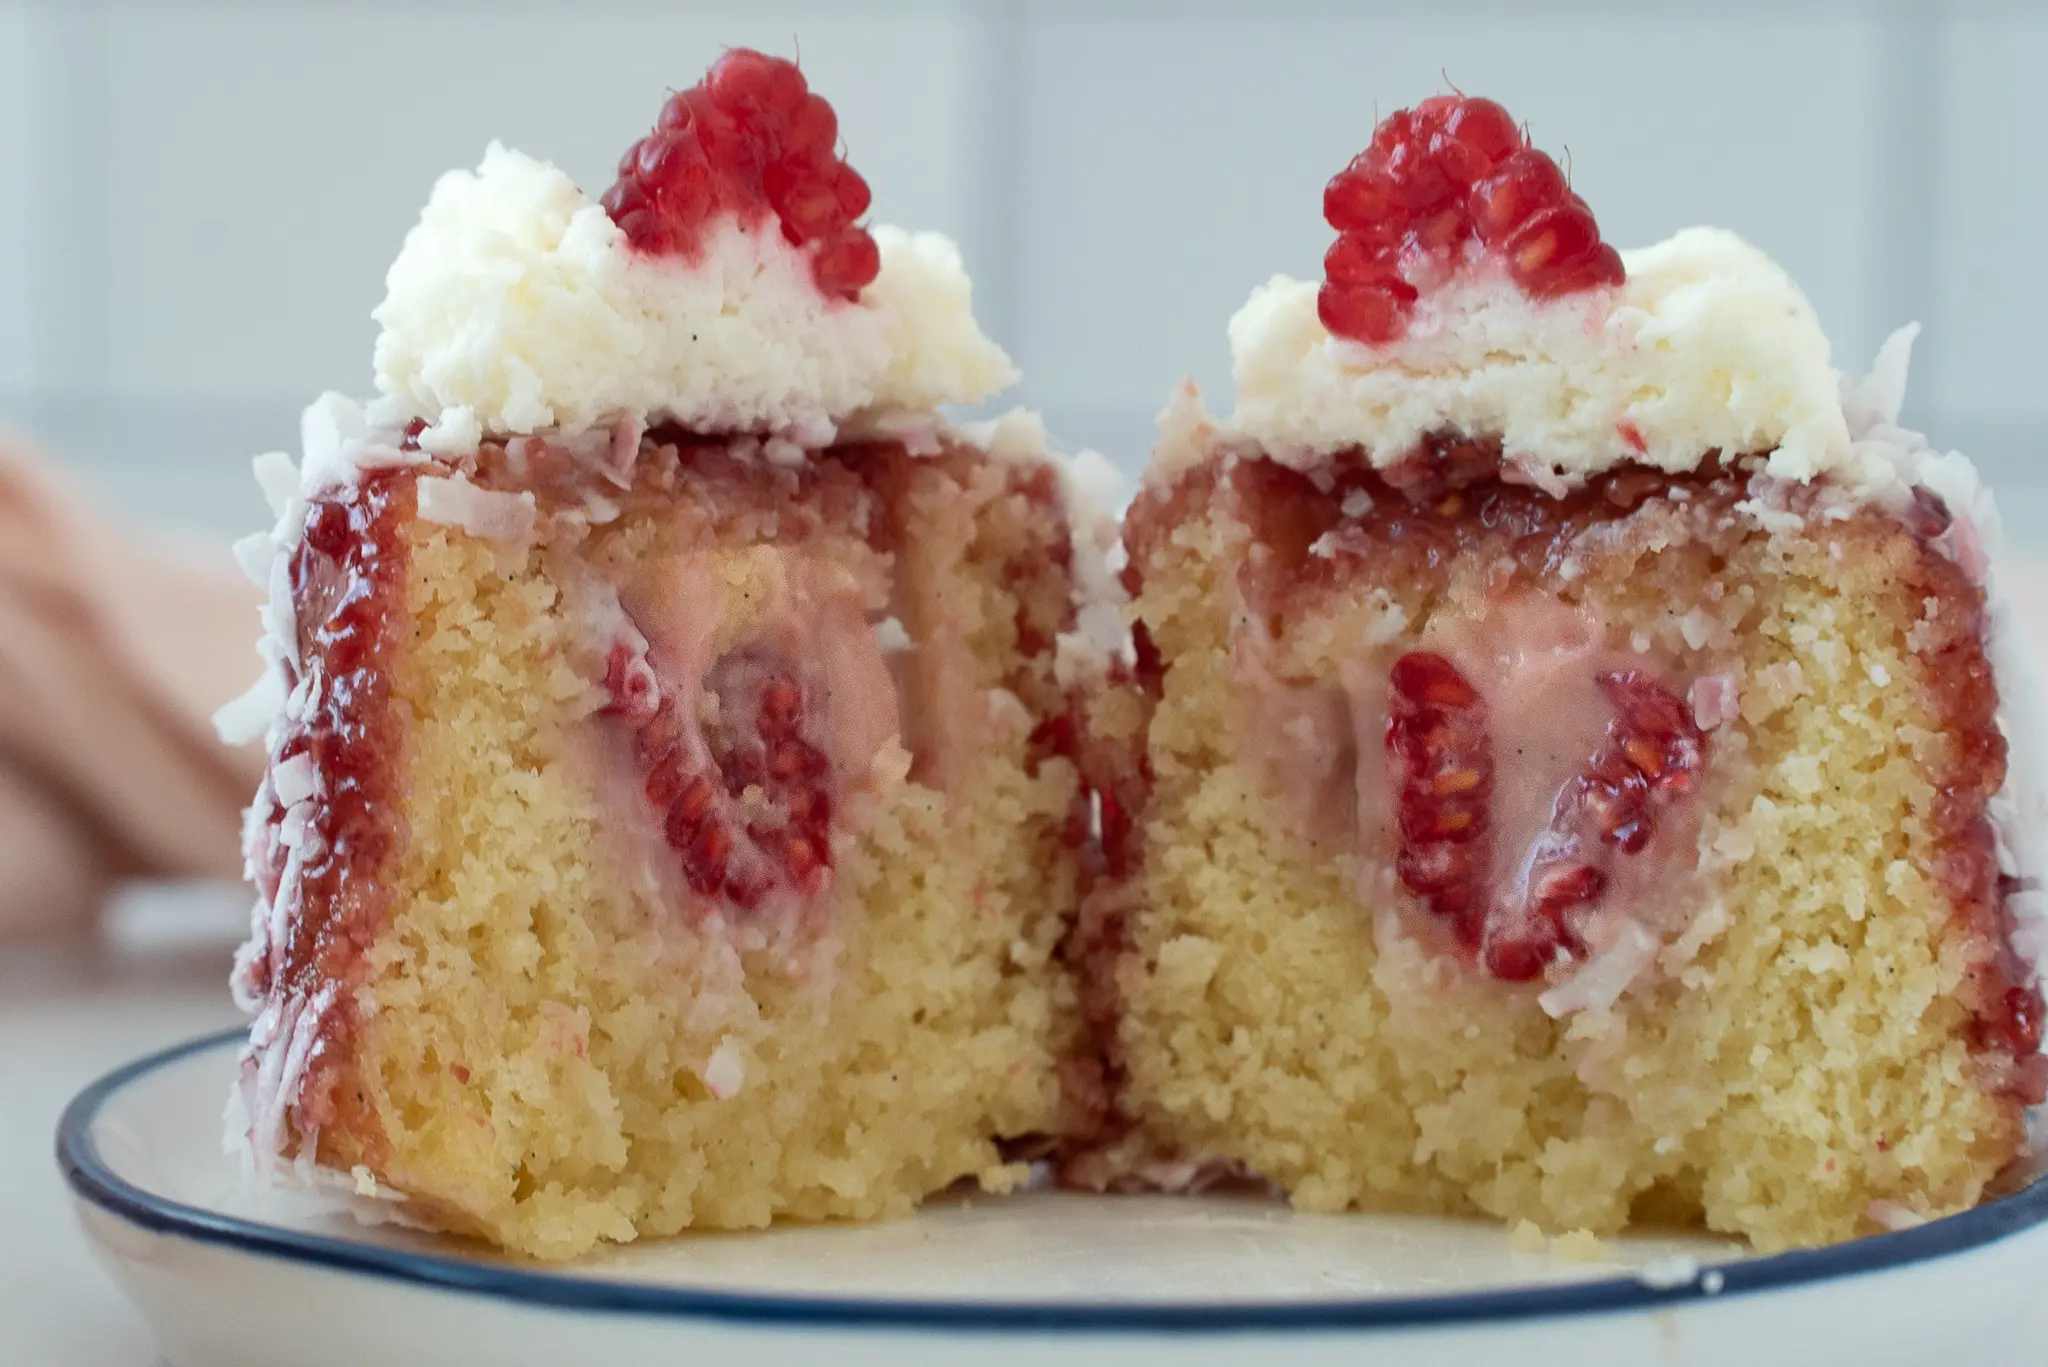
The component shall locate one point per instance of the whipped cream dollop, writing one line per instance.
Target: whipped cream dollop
(518, 306)
(1707, 346)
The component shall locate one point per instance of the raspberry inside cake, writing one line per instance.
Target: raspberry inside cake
(662, 828)
(1569, 761)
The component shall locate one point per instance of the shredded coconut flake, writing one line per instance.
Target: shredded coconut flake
(1600, 983)
(245, 719)
(278, 478)
(891, 637)
(725, 1072)
(1715, 698)
(294, 780)
(484, 513)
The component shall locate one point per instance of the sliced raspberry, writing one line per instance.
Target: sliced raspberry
(1437, 734)
(751, 141)
(1434, 181)
(746, 804)
(1651, 758)
(629, 679)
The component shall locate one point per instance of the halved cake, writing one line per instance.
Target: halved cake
(1570, 774)
(668, 821)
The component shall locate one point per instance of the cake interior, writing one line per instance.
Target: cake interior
(1828, 1034)
(543, 1043)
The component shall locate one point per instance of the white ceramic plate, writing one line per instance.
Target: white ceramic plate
(229, 1277)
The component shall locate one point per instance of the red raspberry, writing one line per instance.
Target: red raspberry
(750, 140)
(756, 86)
(1437, 732)
(1433, 178)
(734, 846)
(846, 263)
(1651, 758)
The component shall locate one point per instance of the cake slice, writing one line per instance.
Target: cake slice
(664, 826)
(1575, 773)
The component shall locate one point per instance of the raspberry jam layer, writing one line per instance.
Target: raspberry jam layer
(347, 581)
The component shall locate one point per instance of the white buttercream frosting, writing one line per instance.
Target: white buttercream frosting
(1708, 346)
(517, 306)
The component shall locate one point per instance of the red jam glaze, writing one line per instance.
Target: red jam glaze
(1441, 184)
(749, 139)
(2004, 996)
(1452, 498)
(347, 580)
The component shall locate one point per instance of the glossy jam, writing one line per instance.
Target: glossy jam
(347, 581)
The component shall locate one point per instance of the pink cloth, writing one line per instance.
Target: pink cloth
(115, 648)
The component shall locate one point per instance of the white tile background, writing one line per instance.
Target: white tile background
(197, 201)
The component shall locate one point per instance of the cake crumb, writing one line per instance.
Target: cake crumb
(1000, 1179)
(1579, 1246)
(1574, 1246)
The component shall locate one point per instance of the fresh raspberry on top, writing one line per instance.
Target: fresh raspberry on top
(1440, 184)
(749, 139)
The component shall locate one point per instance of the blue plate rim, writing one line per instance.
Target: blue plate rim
(94, 1182)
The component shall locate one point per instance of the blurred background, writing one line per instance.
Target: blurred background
(198, 201)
